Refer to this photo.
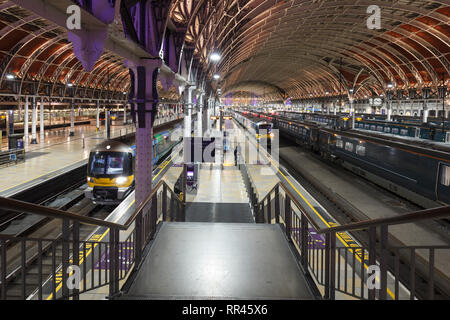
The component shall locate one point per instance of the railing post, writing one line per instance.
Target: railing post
(172, 209)
(372, 257)
(138, 244)
(287, 216)
(383, 261)
(3, 270)
(114, 262)
(304, 244)
(327, 265)
(332, 264)
(277, 204)
(154, 216)
(164, 203)
(431, 275)
(75, 254)
(65, 256)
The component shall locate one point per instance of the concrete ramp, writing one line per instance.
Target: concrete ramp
(219, 261)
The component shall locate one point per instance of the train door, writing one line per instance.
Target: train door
(443, 183)
(447, 137)
(417, 133)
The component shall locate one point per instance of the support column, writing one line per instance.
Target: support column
(389, 111)
(107, 123)
(124, 113)
(41, 126)
(19, 113)
(72, 119)
(425, 112)
(146, 93)
(25, 124)
(200, 117)
(98, 115)
(188, 111)
(33, 121)
(334, 107)
(353, 113)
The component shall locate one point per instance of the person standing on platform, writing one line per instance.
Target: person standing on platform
(235, 155)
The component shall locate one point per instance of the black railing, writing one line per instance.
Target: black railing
(374, 271)
(42, 264)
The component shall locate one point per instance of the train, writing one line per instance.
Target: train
(111, 167)
(417, 173)
(414, 171)
(261, 125)
(400, 126)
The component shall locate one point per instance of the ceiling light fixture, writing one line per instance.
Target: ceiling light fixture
(215, 56)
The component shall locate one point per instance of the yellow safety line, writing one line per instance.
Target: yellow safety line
(102, 236)
(324, 221)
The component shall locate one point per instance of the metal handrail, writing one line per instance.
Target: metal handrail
(31, 208)
(427, 214)
(296, 202)
(144, 203)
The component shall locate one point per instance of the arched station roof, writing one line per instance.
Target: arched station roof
(308, 48)
(276, 48)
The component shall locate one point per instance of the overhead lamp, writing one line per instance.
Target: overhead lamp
(216, 76)
(215, 56)
(327, 92)
(10, 76)
(390, 85)
(351, 90)
(70, 84)
(382, 95)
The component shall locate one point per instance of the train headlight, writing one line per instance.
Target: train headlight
(271, 135)
(90, 179)
(121, 180)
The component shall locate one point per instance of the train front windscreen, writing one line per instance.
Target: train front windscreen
(102, 164)
(264, 129)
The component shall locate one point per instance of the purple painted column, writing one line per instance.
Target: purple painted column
(146, 95)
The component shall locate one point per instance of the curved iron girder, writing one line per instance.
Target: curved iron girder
(19, 45)
(145, 23)
(95, 77)
(46, 63)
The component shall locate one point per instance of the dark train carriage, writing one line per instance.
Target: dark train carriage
(423, 172)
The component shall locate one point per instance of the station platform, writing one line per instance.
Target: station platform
(58, 153)
(219, 261)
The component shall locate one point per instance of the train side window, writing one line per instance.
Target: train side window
(445, 176)
(349, 146)
(339, 143)
(361, 150)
